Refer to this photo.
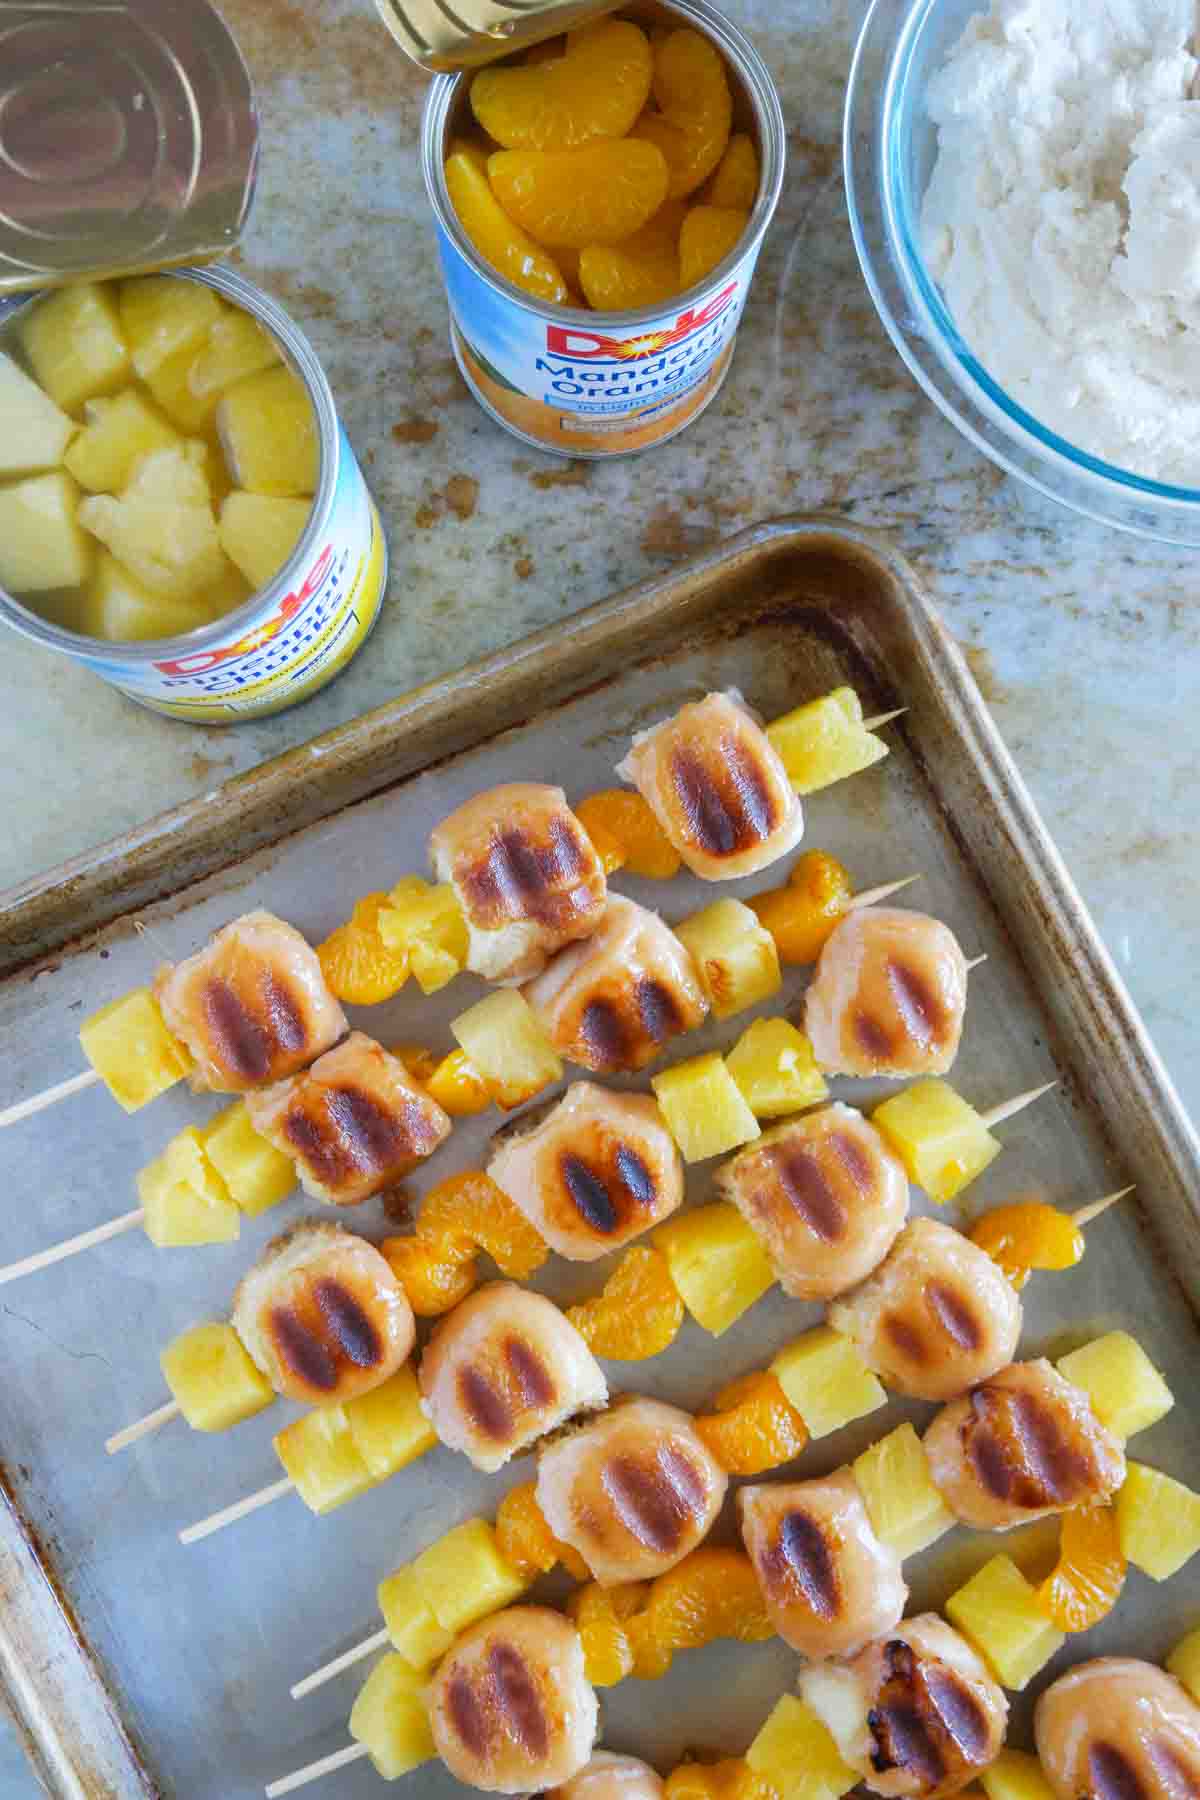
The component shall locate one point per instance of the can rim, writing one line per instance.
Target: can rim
(299, 354)
(768, 113)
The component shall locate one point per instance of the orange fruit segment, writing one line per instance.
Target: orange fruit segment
(355, 961)
(1087, 1580)
(1026, 1235)
(527, 1542)
(643, 271)
(597, 195)
(713, 1593)
(547, 50)
(730, 1779)
(637, 1313)
(802, 915)
(600, 1615)
(433, 1281)
(457, 1087)
(498, 240)
(469, 1211)
(627, 817)
(595, 89)
(694, 109)
(707, 236)
(418, 1059)
(734, 181)
(755, 1427)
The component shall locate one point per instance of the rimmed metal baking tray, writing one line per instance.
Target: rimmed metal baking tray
(136, 1666)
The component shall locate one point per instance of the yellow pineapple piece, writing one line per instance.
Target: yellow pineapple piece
(236, 346)
(410, 1621)
(1158, 1521)
(774, 1067)
(1015, 1775)
(705, 1110)
(824, 741)
(391, 1719)
(464, 1577)
(171, 386)
(318, 1451)
(717, 1264)
(259, 533)
(41, 544)
(1126, 1390)
(117, 608)
(796, 1753)
(213, 1378)
(118, 431)
(255, 1172)
(507, 1047)
(129, 1046)
(162, 527)
(163, 316)
(905, 1508)
(269, 434)
(1184, 1663)
(941, 1140)
(427, 923)
(75, 345)
(735, 956)
(387, 1425)
(36, 432)
(998, 1612)
(827, 1381)
(184, 1199)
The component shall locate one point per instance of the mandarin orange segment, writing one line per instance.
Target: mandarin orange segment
(498, 240)
(713, 1593)
(457, 1087)
(595, 89)
(735, 179)
(730, 1779)
(599, 1614)
(694, 109)
(610, 850)
(527, 1542)
(468, 1211)
(637, 1313)
(706, 237)
(355, 961)
(547, 50)
(1087, 1580)
(755, 1426)
(597, 195)
(627, 817)
(802, 915)
(643, 271)
(418, 1059)
(1026, 1235)
(433, 1280)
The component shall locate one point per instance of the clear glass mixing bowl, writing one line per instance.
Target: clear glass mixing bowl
(889, 151)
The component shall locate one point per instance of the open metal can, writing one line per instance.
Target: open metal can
(600, 384)
(295, 634)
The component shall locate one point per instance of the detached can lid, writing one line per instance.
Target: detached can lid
(128, 138)
(445, 38)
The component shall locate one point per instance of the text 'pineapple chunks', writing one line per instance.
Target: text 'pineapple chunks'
(255, 1172)
(427, 924)
(774, 1067)
(827, 1381)
(132, 1050)
(718, 1266)
(824, 741)
(1015, 1775)
(162, 527)
(119, 609)
(268, 432)
(735, 956)
(184, 1199)
(1158, 1521)
(75, 345)
(258, 534)
(36, 433)
(940, 1138)
(705, 1110)
(506, 1046)
(906, 1510)
(796, 1754)
(999, 1613)
(41, 544)
(391, 1719)
(1126, 1390)
(163, 316)
(119, 430)
(211, 1375)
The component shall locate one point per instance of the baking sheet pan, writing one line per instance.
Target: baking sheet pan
(164, 1669)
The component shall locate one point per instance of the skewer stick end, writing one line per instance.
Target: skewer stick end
(1086, 1214)
(881, 719)
(872, 896)
(974, 961)
(1009, 1108)
(325, 1765)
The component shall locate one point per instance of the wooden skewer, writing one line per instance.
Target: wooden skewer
(378, 1640)
(1086, 1214)
(217, 1521)
(162, 1415)
(975, 961)
(99, 1234)
(873, 896)
(24, 1109)
(883, 719)
(1007, 1108)
(325, 1765)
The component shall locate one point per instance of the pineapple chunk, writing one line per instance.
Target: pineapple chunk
(259, 534)
(214, 1380)
(464, 1577)
(1126, 1390)
(905, 1508)
(391, 1719)
(119, 609)
(171, 387)
(998, 1612)
(717, 1264)
(36, 432)
(163, 316)
(735, 956)
(704, 1108)
(129, 1046)
(184, 1199)
(255, 1172)
(1158, 1521)
(796, 1754)
(74, 344)
(1015, 1775)
(1184, 1663)
(319, 1453)
(236, 346)
(774, 1067)
(269, 434)
(827, 1381)
(941, 1140)
(824, 741)
(411, 1625)
(117, 433)
(162, 527)
(505, 1044)
(41, 545)
(387, 1425)
(426, 922)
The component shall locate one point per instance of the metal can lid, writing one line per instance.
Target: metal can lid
(474, 32)
(128, 138)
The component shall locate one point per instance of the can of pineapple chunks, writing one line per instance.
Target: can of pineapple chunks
(601, 384)
(294, 635)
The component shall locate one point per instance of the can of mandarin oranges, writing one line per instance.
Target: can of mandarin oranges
(597, 384)
(300, 630)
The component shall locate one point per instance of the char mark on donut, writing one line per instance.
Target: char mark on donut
(802, 1561)
(1020, 1453)
(348, 1324)
(285, 1018)
(808, 1191)
(917, 1004)
(728, 813)
(522, 877)
(927, 1720)
(535, 1384)
(954, 1315)
(656, 1499)
(241, 1042)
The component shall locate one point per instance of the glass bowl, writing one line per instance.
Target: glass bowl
(889, 150)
